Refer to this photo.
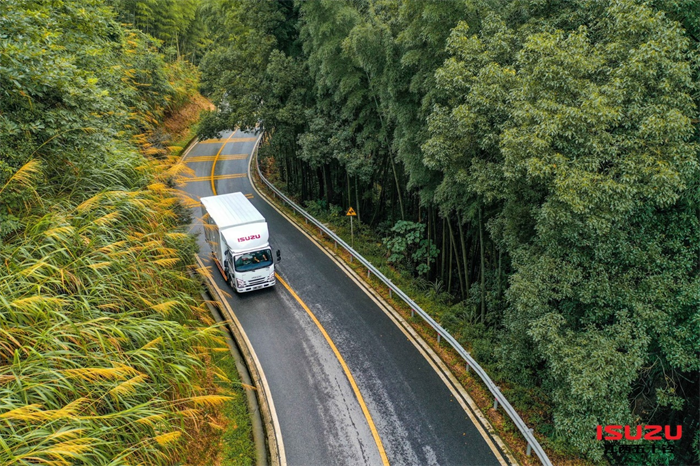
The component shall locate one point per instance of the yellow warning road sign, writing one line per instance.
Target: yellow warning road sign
(351, 212)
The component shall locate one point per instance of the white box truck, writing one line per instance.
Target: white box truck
(238, 236)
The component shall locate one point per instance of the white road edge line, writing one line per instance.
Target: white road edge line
(459, 392)
(254, 356)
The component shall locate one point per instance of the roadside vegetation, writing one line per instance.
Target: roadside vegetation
(533, 167)
(532, 403)
(107, 353)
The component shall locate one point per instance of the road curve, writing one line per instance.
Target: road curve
(348, 386)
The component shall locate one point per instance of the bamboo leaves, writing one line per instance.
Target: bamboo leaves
(95, 353)
(101, 345)
(565, 128)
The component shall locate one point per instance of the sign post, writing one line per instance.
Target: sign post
(351, 213)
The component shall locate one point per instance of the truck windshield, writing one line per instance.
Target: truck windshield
(253, 260)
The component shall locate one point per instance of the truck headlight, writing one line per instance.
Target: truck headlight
(240, 283)
(271, 276)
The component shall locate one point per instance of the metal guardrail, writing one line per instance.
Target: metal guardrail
(499, 398)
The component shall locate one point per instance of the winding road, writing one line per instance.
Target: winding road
(350, 384)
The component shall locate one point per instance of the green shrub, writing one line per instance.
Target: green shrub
(407, 247)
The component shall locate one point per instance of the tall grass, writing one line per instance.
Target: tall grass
(101, 340)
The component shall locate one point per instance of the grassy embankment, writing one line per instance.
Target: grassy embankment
(531, 405)
(107, 353)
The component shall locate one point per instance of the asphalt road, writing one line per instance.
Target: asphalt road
(410, 408)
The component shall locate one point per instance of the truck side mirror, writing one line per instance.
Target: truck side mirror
(279, 256)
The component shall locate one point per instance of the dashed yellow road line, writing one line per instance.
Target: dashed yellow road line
(229, 176)
(211, 141)
(212, 178)
(219, 141)
(211, 158)
(249, 196)
(346, 369)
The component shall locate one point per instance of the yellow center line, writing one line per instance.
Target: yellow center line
(355, 388)
(213, 165)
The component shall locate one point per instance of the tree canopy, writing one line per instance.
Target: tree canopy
(548, 150)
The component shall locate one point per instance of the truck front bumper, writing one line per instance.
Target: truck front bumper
(257, 286)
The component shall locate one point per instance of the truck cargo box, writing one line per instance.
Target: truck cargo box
(238, 234)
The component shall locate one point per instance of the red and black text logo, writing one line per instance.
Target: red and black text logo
(639, 432)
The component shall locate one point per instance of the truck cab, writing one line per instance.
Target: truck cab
(250, 270)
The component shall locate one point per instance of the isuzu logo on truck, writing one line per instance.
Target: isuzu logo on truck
(248, 238)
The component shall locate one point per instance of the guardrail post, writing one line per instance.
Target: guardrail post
(413, 312)
(350, 257)
(529, 447)
(306, 220)
(438, 338)
(467, 367)
(335, 245)
(495, 399)
(390, 292)
(368, 272)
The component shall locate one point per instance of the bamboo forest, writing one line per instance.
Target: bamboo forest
(532, 167)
